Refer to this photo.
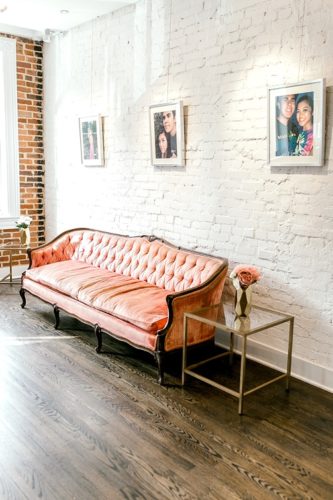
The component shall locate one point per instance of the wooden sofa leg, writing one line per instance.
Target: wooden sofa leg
(22, 293)
(56, 311)
(160, 366)
(98, 333)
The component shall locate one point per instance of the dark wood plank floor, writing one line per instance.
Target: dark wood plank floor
(78, 425)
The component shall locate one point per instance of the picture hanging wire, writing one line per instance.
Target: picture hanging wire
(301, 40)
(168, 75)
(91, 61)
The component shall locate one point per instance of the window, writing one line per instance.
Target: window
(9, 165)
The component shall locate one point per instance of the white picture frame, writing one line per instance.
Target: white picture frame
(167, 134)
(91, 140)
(296, 124)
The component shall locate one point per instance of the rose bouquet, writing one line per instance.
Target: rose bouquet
(243, 277)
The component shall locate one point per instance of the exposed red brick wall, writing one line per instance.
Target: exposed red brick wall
(29, 56)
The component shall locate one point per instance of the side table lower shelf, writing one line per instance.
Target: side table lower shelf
(222, 318)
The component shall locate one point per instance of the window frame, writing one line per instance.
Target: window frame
(9, 153)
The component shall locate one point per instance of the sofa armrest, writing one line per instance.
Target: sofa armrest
(191, 300)
(57, 250)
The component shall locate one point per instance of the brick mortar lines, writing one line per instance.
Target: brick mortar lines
(29, 60)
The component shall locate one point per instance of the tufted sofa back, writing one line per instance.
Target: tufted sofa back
(155, 262)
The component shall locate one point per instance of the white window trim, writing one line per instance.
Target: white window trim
(9, 158)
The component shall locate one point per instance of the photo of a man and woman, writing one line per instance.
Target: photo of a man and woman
(296, 124)
(166, 123)
(165, 126)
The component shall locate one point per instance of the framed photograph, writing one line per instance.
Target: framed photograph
(167, 134)
(91, 139)
(296, 124)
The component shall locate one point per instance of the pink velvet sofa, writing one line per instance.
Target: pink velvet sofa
(135, 289)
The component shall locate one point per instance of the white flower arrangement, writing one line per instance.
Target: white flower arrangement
(23, 222)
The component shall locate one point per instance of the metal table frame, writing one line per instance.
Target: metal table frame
(244, 334)
(11, 248)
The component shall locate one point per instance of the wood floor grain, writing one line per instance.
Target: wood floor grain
(79, 425)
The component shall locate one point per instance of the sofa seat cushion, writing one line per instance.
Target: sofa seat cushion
(129, 299)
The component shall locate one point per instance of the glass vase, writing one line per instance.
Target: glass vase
(25, 236)
(243, 302)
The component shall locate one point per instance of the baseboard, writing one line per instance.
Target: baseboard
(301, 369)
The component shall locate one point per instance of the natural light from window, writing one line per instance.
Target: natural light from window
(9, 169)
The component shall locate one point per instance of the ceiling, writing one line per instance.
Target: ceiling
(38, 19)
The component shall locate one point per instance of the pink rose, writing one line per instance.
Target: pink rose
(246, 275)
(245, 278)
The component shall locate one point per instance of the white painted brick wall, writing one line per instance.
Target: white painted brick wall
(219, 58)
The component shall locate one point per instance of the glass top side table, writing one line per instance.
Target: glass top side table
(11, 248)
(222, 317)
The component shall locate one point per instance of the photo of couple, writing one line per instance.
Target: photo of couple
(165, 127)
(167, 134)
(294, 124)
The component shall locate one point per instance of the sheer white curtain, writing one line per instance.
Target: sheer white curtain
(9, 165)
(4, 209)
